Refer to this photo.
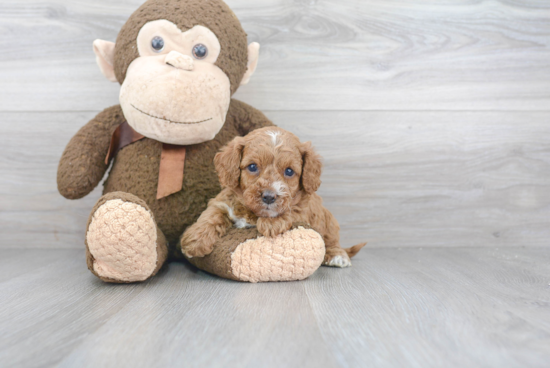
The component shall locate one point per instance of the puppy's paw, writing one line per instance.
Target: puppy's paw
(339, 260)
(269, 232)
(272, 227)
(196, 249)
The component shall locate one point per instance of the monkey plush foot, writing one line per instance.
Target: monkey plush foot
(123, 241)
(246, 255)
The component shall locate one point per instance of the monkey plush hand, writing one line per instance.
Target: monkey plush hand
(178, 63)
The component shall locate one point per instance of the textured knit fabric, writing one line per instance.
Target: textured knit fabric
(161, 251)
(294, 255)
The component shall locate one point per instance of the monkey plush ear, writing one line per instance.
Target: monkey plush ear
(228, 163)
(311, 171)
(105, 57)
(253, 56)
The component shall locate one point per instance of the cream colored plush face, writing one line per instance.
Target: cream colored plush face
(170, 95)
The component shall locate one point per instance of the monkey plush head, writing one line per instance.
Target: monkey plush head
(178, 63)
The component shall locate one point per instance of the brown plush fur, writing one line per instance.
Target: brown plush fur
(272, 150)
(135, 168)
(82, 165)
(213, 14)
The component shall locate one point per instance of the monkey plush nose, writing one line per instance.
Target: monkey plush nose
(180, 61)
(268, 197)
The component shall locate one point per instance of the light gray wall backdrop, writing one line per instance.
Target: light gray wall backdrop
(433, 116)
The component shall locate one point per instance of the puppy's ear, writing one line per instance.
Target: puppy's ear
(228, 163)
(311, 170)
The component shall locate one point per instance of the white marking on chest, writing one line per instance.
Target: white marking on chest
(240, 223)
(274, 137)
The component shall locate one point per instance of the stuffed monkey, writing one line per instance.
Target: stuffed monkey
(178, 63)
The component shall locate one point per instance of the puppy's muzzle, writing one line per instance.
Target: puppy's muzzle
(269, 197)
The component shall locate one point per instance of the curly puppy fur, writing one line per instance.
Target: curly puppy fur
(269, 179)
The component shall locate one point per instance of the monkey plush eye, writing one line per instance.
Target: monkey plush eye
(253, 168)
(200, 51)
(289, 172)
(157, 44)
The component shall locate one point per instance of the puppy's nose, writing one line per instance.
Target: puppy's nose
(180, 61)
(269, 197)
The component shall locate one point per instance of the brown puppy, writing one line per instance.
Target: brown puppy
(269, 181)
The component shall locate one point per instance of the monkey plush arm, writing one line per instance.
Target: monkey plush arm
(82, 165)
(247, 118)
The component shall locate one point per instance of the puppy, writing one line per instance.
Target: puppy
(269, 180)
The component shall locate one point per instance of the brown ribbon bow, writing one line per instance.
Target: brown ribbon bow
(172, 160)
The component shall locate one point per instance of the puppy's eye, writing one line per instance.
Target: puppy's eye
(252, 168)
(289, 172)
(200, 51)
(157, 44)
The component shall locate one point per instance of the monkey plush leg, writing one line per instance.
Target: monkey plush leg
(123, 241)
(246, 255)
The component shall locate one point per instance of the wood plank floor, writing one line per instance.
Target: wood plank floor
(421, 307)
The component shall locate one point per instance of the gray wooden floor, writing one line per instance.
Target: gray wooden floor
(409, 307)
(433, 118)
